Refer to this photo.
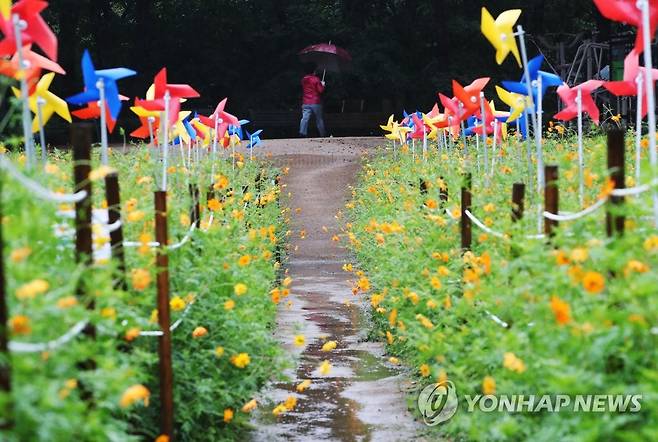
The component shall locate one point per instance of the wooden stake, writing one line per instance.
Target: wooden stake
(195, 210)
(113, 198)
(465, 221)
(614, 223)
(443, 194)
(551, 198)
(518, 193)
(164, 341)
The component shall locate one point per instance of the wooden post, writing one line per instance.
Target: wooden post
(164, 341)
(518, 193)
(465, 221)
(443, 194)
(551, 198)
(614, 223)
(195, 210)
(113, 198)
(81, 134)
(6, 420)
(423, 187)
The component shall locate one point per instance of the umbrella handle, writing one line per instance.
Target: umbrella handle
(324, 72)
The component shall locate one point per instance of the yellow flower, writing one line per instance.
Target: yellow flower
(392, 317)
(651, 243)
(136, 393)
(299, 340)
(329, 345)
(32, 289)
(249, 406)
(67, 302)
(424, 321)
(219, 351)
(287, 281)
(435, 283)
(228, 415)
(100, 173)
(240, 289)
(425, 370)
(593, 282)
(276, 295)
(489, 207)
(141, 279)
(131, 205)
(579, 254)
(240, 360)
(177, 303)
(135, 215)
(199, 332)
(20, 254)
(393, 360)
(325, 368)
(131, 334)
(389, 337)
(635, 266)
(229, 305)
(364, 284)
(221, 182)
(109, 312)
(303, 386)
(244, 260)
(20, 325)
(488, 385)
(279, 409)
(511, 362)
(185, 220)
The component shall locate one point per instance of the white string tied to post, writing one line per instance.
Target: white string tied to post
(173, 326)
(38, 347)
(573, 216)
(482, 226)
(39, 190)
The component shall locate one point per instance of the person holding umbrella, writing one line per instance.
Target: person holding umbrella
(312, 90)
(327, 57)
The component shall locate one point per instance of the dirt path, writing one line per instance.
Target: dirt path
(361, 398)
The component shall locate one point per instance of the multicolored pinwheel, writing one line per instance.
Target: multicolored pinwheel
(177, 92)
(500, 33)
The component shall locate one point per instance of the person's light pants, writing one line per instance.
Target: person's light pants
(307, 110)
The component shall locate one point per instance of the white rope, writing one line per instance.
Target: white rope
(27, 347)
(151, 244)
(479, 223)
(173, 326)
(38, 190)
(210, 221)
(497, 320)
(453, 217)
(185, 239)
(634, 190)
(573, 216)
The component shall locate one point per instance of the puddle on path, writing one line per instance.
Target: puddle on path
(361, 398)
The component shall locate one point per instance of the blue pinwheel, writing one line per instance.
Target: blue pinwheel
(237, 129)
(547, 80)
(91, 78)
(254, 140)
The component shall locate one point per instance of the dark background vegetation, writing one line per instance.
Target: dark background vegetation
(405, 51)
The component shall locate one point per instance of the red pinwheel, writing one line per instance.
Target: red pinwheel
(568, 95)
(144, 131)
(628, 87)
(176, 93)
(93, 111)
(434, 113)
(419, 127)
(10, 67)
(488, 119)
(469, 96)
(626, 11)
(36, 30)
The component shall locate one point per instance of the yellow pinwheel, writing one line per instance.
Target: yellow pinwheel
(5, 9)
(499, 115)
(202, 129)
(50, 103)
(179, 128)
(516, 102)
(389, 125)
(500, 33)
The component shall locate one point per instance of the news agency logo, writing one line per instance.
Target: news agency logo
(438, 403)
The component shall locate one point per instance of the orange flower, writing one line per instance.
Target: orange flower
(593, 282)
(134, 394)
(228, 415)
(561, 258)
(20, 325)
(214, 205)
(488, 385)
(244, 260)
(199, 332)
(141, 279)
(561, 310)
(131, 334)
(635, 266)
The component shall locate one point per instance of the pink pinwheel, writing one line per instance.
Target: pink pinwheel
(569, 96)
(469, 96)
(626, 11)
(176, 93)
(220, 119)
(452, 113)
(628, 86)
(36, 31)
(10, 68)
(419, 131)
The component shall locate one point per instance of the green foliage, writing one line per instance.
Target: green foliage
(53, 396)
(567, 335)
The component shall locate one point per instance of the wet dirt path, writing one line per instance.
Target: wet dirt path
(362, 397)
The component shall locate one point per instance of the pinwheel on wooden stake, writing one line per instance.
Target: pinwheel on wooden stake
(643, 14)
(101, 86)
(578, 99)
(500, 33)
